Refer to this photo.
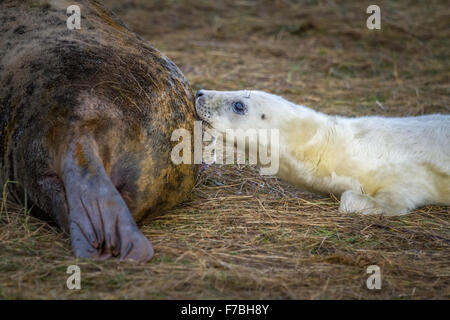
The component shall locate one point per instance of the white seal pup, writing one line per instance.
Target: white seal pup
(377, 165)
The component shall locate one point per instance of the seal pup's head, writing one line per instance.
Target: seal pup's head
(247, 120)
(242, 109)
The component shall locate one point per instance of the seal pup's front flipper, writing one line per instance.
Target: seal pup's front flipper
(101, 224)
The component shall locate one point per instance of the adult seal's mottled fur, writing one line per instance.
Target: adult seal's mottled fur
(86, 118)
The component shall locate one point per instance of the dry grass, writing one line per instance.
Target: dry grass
(246, 236)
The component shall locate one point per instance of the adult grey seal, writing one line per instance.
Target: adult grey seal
(86, 118)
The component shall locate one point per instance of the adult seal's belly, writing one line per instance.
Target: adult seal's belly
(85, 124)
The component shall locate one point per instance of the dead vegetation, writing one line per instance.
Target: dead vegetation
(245, 236)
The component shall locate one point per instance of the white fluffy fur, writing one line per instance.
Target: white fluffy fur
(377, 165)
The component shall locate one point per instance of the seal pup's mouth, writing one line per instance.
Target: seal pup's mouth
(208, 130)
(201, 109)
(204, 113)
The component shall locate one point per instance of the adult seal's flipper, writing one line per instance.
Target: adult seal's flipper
(101, 225)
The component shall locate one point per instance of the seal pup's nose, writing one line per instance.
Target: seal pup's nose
(200, 93)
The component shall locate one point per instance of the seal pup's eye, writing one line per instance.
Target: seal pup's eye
(238, 107)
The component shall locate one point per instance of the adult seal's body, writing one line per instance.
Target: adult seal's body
(377, 165)
(85, 124)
